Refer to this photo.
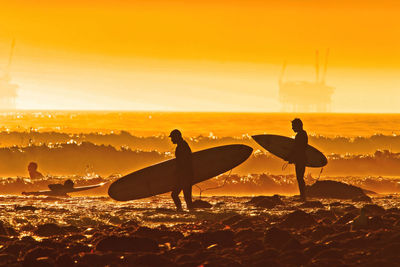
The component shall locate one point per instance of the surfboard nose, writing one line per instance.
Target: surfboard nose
(246, 150)
(261, 139)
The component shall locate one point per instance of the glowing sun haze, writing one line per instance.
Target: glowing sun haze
(199, 55)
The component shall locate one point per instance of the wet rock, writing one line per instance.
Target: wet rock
(221, 261)
(362, 199)
(3, 230)
(126, 244)
(4, 239)
(74, 238)
(15, 248)
(324, 214)
(332, 253)
(76, 248)
(321, 231)
(267, 202)
(373, 210)
(377, 263)
(276, 237)
(192, 245)
(390, 251)
(89, 231)
(298, 219)
(24, 208)
(313, 250)
(39, 252)
(184, 258)
(340, 237)
(51, 243)
(243, 223)
(334, 189)
(71, 229)
(11, 231)
(39, 262)
(360, 222)
(153, 260)
(131, 224)
(28, 239)
(395, 238)
(312, 204)
(49, 229)
(265, 262)
(201, 204)
(253, 246)
(265, 257)
(223, 238)
(161, 236)
(5, 259)
(233, 219)
(360, 243)
(92, 259)
(327, 263)
(346, 218)
(376, 223)
(296, 258)
(64, 260)
(246, 234)
(351, 208)
(292, 244)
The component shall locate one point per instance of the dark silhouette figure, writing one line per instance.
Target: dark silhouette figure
(69, 184)
(184, 170)
(62, 188)
(33, 173)
(298, 155)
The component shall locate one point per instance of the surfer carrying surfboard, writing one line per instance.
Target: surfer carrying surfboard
(298, 155)
(184, 170)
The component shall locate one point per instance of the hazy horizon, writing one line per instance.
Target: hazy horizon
(199, 56)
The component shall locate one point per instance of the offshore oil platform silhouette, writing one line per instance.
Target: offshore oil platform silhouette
(303, 96)
(8, 90)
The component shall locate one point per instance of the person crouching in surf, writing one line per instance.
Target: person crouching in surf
(298, 155)
(184, 170)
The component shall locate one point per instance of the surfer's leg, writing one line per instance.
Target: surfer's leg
(175, 197)
(187, 193)
(300, 169)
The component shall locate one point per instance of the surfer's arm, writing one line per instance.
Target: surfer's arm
(300, 142)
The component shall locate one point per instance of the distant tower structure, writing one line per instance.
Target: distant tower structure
(303, 96)
(8, 90)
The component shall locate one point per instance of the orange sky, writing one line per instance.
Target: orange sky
(203, 55)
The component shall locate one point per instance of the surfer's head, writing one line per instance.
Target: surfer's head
(32, 166)
(175, 136)
(69, 183)
(297, 125)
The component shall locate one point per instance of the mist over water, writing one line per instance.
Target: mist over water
(361, 148)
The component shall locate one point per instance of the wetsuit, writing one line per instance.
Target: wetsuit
(298, 157)
(184, 174)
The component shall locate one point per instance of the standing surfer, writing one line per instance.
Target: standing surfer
(184, 170)
(298, 155)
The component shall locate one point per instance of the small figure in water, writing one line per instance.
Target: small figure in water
(69, 184)
(33, 173)
(298, 155)
(184, 170)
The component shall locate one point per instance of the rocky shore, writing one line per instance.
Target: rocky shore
(313, 233)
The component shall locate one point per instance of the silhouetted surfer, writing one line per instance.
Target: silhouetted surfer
(298, 155)
(184, 170)
(33, 172)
